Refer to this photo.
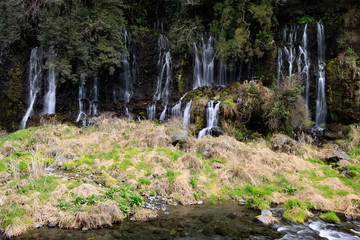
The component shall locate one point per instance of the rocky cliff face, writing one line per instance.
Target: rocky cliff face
(342, 81)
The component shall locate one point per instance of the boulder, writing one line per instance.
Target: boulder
(216, 131)
(283, 143)
(205, 150)
(336, 156)
(267, 218)
(179, 137)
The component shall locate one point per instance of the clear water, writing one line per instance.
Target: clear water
(227, 220)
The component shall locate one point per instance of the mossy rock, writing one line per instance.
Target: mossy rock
(330, 217)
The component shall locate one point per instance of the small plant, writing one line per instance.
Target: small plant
(330, 217)
(63, 205)
(143, 181)
(171, 175)
(193, 183)
(289, 189)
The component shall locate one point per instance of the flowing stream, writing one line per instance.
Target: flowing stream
(227, 220)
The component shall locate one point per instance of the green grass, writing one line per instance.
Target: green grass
(144, 181)
(85, 159)
(326, 190)
(9, 212)
(74, 185)
(294, 203)
(18, 136)
(229, 103)
(171, 175)
(314, 160)
(330, 217)
(125, 164)
(295, 211)
(3, 167)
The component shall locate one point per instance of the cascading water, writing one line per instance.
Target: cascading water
(212, 118)
(164, 66)
(151, 111)
(288, 39)
(90, 100)
(304, 60)
(34, 79)
(222, 73)
(187, 114)
(127, 113)
(321, 108)
(176, 110)
(124, 90)
(279, 65)
(204, 67)
(50, 96)
(163, 115)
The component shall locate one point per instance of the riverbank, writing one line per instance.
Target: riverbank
(86, 178)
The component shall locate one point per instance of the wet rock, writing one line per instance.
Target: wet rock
(112, 210)
(206, 218)
(283, 143)
(267, 218)
(335, 156)
(200, 203)
(216, 131)
(231, 215)
(179, 137)
(53, 222)
(242, 202)
(334, 132)
(85, 229)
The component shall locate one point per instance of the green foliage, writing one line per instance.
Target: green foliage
(256, 203)
(125, 198)
(144, 181)
(305, 19)
(9, 212)
(63, 205)
(229, 103)
(3, 167)
(171, 175)
(294, 203)
(330, 217)
(289, 189)
(314, 160)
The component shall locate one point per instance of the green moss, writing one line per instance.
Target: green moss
(229, 103)
(296, 215)
(330, 217)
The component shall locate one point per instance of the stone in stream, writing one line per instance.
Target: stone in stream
(267, 218)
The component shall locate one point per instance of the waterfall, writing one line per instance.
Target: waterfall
(204, 67)
(85, 99)
(50, 96)
(34, 79)
(93, 98)
(320, 115)
(303, 53)
(151, 111)
(164, 66)
(288, 40)
(222, 73)
(163, 115)
(279, 65)
(187, 114)
(82, 95)
(127, 113)
(176, 110)
(128, 72)
(212, 118)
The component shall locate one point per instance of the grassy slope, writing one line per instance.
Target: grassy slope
(115, 161)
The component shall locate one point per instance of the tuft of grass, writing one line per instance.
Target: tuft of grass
(295, 211)
(326, 190)
(314, 160)
(9, 212)
(330, 217)
(144, 181)
(3, 167)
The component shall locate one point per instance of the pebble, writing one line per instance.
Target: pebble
(51, 225)
(85, 229)
(242, 202)
(166, 213)
(200, 203)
